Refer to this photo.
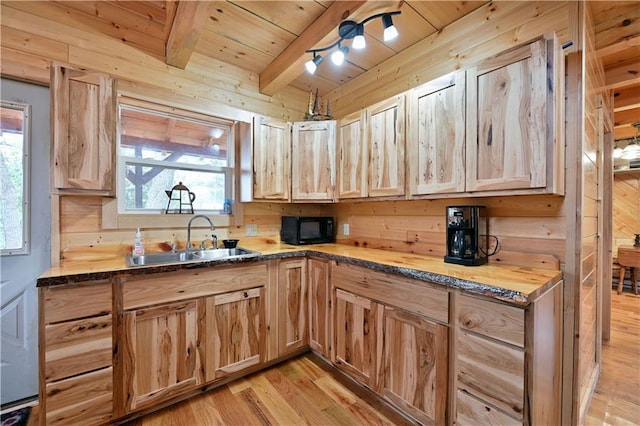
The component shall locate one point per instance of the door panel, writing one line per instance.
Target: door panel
(19, 300)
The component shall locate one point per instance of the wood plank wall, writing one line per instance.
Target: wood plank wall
(530, 229)
(590, 285)
(626, 209)
(83, 237)
(29, 43)
(542, 230)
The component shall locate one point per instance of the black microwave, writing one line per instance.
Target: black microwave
(306, 230)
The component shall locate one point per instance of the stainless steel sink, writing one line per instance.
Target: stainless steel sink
(189, 256)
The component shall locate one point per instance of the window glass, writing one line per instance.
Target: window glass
(14, 162)
(159, 150)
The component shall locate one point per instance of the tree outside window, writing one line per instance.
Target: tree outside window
(14, 162)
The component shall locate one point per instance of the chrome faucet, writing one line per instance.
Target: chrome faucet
(213, 228)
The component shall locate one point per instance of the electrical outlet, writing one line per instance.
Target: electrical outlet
(345, 228)
(251, 230)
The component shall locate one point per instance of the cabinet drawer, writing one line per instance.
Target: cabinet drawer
(86, 399)
(75, 347)
(180, 285)
(492, 319)
(66, 302)
(492, 371)
(472, 412)
(394, 290)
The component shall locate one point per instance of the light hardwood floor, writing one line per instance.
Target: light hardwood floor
(306, 391)
(616, 400)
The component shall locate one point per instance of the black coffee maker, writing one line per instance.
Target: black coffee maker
(467, 230)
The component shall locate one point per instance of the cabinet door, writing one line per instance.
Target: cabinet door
(84, 130)
(319, 306)
(352, 156)
(271, 159)
(162, 352)
(436, 136)
(415, 365)
(507, 120)
(292, 305)
(313, 160)
(386, 147)
(357, 336)
(235, 325)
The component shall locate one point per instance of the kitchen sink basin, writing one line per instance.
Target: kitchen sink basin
(189, 256)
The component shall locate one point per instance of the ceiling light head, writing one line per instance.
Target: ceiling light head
(312, 64)
(631, 152)
(338, 56)
(358, 41)
(617, 152)
(390, 31)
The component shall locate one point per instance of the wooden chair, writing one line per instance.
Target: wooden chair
(629, 257)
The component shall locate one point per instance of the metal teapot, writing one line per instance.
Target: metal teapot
(180, 200)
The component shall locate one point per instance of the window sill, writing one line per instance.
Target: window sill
(111, 219)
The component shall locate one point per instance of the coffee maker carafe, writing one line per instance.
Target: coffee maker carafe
(467, 230)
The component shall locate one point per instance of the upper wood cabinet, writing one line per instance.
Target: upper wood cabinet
(514, 120)
(386, 141)
(353, 156)
(271, 159)
(83, 105)
(371, 156)
(313, 160)
(436, 136)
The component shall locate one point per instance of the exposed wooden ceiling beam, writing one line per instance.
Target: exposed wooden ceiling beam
(624, 44)
(290, 63)
(190, 20)
(627, 98)
(623, 76)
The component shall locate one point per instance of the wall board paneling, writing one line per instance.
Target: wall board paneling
(529, 228)
(626, 208)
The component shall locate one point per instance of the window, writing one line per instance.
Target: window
(161, 147)
(14, 178)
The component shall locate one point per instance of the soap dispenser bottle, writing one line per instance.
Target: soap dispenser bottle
(138, 244)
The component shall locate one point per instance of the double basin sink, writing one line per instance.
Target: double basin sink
(189, 256)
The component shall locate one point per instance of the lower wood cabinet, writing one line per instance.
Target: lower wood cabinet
(76, 384)
(293, 333)
(509, 360)
(178, 332)
(357, 337)
(235, 332)
(181, 330)
(162, 352)
(319, 306)
(415, 374)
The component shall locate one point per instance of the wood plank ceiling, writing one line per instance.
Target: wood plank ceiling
(269, 38)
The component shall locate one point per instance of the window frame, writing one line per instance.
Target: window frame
(230, 171)
(25, 248)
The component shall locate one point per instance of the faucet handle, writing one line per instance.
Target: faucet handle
(214, 240)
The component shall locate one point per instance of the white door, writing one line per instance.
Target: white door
(18, 273)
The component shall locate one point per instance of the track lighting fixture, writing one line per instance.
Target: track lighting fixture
(358, 41)
(390, 31)
(352, 30)
(312, 64)
(338, 56)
